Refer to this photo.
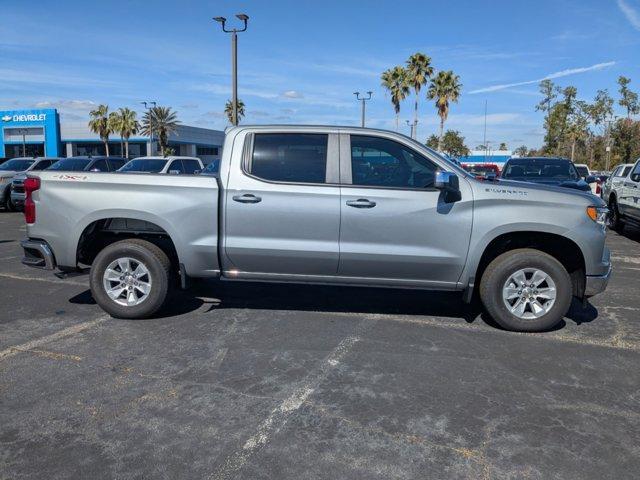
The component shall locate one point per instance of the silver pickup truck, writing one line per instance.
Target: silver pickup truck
(326, 205)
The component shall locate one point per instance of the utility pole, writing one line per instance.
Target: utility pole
(234, 61)
(484, 138)
(362, 100)
(148, 106)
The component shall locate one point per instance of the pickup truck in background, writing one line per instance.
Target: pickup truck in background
(166, 165)
(10, 169)
(624, 199)
(325, 205)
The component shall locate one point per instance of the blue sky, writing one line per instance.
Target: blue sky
(301, 61)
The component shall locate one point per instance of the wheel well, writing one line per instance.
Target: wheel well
(101, 233)
(613, 196)
(561, 248)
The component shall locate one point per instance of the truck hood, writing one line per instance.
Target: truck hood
(564, 183)
(7, 173)
(556, 188)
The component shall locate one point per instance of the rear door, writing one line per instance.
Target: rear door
(394, 225)
(282, 207)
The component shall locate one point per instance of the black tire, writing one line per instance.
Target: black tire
(6, 200)
(615, 221)
(155, 260)
(502, 267)
(10, 205)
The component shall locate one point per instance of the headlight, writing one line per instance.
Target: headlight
(598, 214)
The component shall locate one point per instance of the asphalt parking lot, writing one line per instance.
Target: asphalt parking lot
(289, 382)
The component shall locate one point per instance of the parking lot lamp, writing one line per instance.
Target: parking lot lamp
(234, 60)
(148, 106)
(413, 126)
(362, 99)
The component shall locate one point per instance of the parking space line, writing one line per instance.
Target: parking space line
(15, 349)
(280, 414)
(37, 279)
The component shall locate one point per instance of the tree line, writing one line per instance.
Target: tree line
(443, 87)
(157, 121)
(588, 131)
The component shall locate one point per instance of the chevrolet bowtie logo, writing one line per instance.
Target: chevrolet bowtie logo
(6, 118)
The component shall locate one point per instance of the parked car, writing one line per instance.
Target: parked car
(615, 180)
(624, 200)
(329, 205)
(546, 171)
(482, 170)
(17, 188)
(587, 175)
(167, 165)
(10, 168)
(88, 164)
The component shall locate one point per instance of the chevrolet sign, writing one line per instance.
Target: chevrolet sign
(26, 117)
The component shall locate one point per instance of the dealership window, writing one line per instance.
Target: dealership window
(206, 151)
(290, 157)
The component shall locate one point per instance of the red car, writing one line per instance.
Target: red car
(480, 170)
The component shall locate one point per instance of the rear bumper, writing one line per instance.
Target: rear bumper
(38, 254)
(596, 283)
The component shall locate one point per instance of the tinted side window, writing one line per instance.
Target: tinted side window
(626, 171)
(116, 164)
(176, 166)
(290, 157)
(42, 164)
(99, 166)
(190, 166)
(384, 163)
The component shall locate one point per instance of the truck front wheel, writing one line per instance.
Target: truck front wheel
(526, 290)
(130, 278)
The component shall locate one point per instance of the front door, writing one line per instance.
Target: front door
(395, 225)
(282, 214)
(629, 203)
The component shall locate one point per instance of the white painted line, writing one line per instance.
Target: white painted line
(11, 351)
(49, 280)
(279, 415)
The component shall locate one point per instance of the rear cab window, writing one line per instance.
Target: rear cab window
(289, 157)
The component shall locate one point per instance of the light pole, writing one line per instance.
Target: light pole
(148, 106)
(413, 126)
(362, 99)
(234, 61)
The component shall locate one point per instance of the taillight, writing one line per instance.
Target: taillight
(31, 184)
(598, 187)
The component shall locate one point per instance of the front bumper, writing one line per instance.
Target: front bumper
(596, 283)
(38, 254)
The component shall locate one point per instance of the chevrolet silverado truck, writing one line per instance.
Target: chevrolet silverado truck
(323, 205)
(624, 200)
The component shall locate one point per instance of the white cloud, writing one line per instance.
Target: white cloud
(68, 104)
(631, 13)
(292, 94)
(562, 73)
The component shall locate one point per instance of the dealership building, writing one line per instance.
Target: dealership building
(42, 133)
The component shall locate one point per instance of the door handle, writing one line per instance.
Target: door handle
(361, 203)
(247, 198)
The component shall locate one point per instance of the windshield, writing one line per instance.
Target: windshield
(150, 165)
(70, 164)
(16, 165)
(541, 169)
(212, 168)
(582, 171)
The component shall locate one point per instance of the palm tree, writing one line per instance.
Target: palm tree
(228, 110)
(444, 88)
(161, 121)
(125, 123)
(99, 124)
(419, 71)
(395, 81)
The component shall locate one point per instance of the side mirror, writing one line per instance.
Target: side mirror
(174, 172)
(449, 184)
(591, 179)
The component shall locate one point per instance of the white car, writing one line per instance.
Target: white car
(584, 171)
(165, 165)
(12, 167)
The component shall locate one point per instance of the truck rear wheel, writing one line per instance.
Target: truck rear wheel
(130, 278)
(526, 290)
